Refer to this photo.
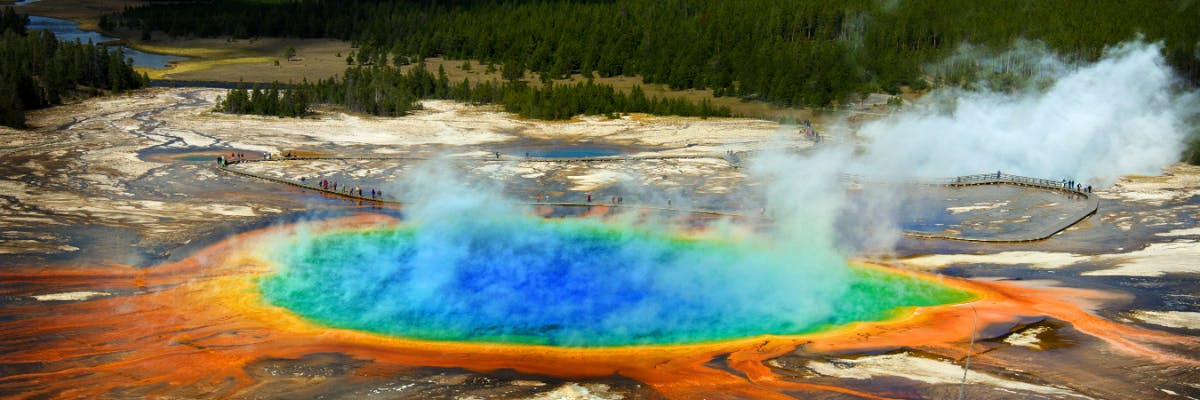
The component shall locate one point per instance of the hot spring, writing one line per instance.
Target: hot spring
(577, 283)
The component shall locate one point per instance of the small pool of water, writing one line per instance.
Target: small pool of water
(68, 31)
(567, 151)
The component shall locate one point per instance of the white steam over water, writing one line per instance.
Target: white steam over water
(1121, 115)
(1090, 123)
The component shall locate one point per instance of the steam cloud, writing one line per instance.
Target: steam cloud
(1124, 114)
(1120, 115)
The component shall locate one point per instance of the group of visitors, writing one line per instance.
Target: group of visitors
(1070, 184)
(810, 132)
(332, 186)
(612, 200)
(234, 158)
(323, 184)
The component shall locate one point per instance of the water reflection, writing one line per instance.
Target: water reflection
(68, 31)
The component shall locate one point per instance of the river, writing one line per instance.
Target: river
(69, 31)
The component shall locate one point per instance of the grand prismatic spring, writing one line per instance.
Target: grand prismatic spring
(576, 283)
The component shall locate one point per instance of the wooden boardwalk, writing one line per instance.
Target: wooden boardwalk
(1093, 203)
(347, 195)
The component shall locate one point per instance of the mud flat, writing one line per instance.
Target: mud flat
(112, 210)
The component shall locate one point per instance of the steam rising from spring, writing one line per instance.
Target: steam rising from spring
(1121, 115)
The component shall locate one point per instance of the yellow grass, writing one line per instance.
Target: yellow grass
(194, 52)
(199, 66)
(251, 60)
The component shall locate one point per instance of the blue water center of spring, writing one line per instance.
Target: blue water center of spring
(579, 284)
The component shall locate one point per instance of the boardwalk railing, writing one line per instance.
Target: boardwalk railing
(960, 181)
(1092, 206)
(977, 179)
(344, 192)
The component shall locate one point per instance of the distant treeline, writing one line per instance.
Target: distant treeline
(272, 101)
(387, 91)
(788, 52)
(36, 70)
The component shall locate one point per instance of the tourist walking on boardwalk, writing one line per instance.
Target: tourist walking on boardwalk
(589, 197)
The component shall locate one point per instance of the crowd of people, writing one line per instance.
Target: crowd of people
(347, 190)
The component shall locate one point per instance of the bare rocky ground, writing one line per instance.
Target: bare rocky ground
(143, 164)
(131, 180)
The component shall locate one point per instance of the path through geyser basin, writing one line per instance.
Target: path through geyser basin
(576, 283)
